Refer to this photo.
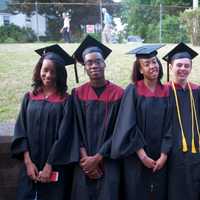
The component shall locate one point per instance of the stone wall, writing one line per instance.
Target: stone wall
(9, 170)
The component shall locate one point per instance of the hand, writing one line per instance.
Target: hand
(31, 169)
(90, 163)
(45, 174)
(146, 160)
(160, 162)
(96, 174)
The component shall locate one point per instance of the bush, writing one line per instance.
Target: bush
(191, 19)
(173, 30)
(12, 33)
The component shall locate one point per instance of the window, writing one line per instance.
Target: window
(6, 20)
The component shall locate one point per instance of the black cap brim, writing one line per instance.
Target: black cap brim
(90, 42)
(146, 51)
(180, 51)
(68, 60)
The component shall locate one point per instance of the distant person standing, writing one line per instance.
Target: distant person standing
(107, 20)
(65, 30)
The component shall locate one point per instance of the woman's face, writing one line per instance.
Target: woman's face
(149, 68)
(48, 73)
(181, 69)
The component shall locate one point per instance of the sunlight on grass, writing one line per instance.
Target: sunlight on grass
(17, 62)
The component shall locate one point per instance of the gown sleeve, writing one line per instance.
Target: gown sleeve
(19, 142)
(127, 137)
(78, 120)
(167, 129)
(65, 149)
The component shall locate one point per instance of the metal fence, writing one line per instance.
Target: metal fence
(142, 22)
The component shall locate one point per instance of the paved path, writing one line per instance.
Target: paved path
(6, 128)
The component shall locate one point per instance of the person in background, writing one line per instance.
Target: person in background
(142, 134)
(107, 20)
(36, 134)
(184, 160)
(96, 104)
(65, 30)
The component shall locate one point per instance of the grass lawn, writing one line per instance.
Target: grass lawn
(17, 62)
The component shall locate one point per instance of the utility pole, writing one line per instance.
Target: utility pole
(195, 4)
(101, 20)
(37, 23)
(161, 13)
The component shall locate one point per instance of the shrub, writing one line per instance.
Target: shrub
(12, 33)
(173, 30)
(191, 19)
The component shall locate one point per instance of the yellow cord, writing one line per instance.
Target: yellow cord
(192, 114)
(195, 115)
(184, 143)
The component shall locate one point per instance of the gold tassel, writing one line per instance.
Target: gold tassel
(193, 147)
(185, 148)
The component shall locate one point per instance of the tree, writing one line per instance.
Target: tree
(142, 16)
(191, 18)
(81, 14)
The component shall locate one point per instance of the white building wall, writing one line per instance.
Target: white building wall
(21, 20)
(38, 24)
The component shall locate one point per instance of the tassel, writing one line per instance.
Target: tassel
(193, 147)
(185, 148)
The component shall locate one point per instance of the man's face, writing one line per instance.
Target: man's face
(181, 69)
(94, 65)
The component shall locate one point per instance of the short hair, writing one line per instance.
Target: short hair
(91, 50)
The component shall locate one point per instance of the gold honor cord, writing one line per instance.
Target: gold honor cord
(193, 114)
(184, 144)
(193, 150)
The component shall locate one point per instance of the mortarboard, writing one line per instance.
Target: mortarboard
(146, 51)
(178, 52)
(58, 55)
(90, 42)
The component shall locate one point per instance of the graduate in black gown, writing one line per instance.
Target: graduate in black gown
(96, 103)
(36, 132)
(142, 135)
(184, 160)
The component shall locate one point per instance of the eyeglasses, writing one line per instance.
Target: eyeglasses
(91, 62)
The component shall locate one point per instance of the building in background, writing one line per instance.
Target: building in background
(36, 22)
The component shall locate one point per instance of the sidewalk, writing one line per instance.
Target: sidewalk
(6, 128)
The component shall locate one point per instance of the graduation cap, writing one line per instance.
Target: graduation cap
(57, 55)
(178, 52)
(146, 51)
(87, 43)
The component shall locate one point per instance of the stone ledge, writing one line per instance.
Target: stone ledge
(9, 170)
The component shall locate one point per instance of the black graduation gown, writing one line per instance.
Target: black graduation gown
(184, 168)
(37, 131)
(96, 118)
(143, 122)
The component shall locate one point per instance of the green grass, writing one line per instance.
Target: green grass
(17, 62)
